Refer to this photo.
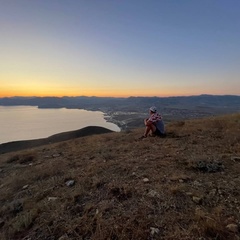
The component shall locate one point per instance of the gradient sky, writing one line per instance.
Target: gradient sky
(119, 47)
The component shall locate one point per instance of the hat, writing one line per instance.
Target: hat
(153, 109)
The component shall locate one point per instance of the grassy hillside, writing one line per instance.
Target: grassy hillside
(111, 186)
(64, 136)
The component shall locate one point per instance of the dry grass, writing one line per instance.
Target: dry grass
(110, 200)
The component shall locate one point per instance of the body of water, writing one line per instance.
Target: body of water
(27, 122)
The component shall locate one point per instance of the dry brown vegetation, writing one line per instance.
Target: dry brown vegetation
(184, 186)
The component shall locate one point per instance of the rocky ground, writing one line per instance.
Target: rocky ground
(114, 186)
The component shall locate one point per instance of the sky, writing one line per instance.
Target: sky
(119, 48)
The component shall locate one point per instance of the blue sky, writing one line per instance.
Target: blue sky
(119, 48)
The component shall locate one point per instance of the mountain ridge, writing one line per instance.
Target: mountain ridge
(59, 137)
(96, 102)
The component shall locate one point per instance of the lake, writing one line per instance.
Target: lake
(28, 122)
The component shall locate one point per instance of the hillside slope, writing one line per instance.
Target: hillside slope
(64, 136)
(111, 186)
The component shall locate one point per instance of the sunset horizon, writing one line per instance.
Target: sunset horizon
(116, 96)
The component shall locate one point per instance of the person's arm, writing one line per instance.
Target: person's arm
(145, 121)
(148, 121)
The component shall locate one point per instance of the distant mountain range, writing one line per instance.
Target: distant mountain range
(137, 104)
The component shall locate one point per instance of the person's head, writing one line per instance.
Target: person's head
(153, 109)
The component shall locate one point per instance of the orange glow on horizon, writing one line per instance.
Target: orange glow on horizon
(19, 94)
(88, 94)
(52, 90)
(59, 92)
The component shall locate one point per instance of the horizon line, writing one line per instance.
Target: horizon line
(93, 96)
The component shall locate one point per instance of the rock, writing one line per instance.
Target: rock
(197, 200)
(189, 194)
(1, 170)
(153, 193)
(70, 183)
(232, 227)
(180, 180)
(25, 187)
(154, 231)
(197, 184)
(52, 198)
(145, 180)
(56, 155)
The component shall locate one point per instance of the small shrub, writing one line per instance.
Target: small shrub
(15, 207)
(12, 159)
(22, 159)
(209, 167)
(210, 226)
(23, 221)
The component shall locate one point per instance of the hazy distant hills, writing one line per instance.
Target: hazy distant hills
(123, 104)
(92, 103)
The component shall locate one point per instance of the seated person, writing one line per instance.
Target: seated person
(154, 124)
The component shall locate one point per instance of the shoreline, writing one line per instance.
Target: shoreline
(59, 137)
(20, 123)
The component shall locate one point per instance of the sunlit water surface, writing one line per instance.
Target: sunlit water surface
(27, 122)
